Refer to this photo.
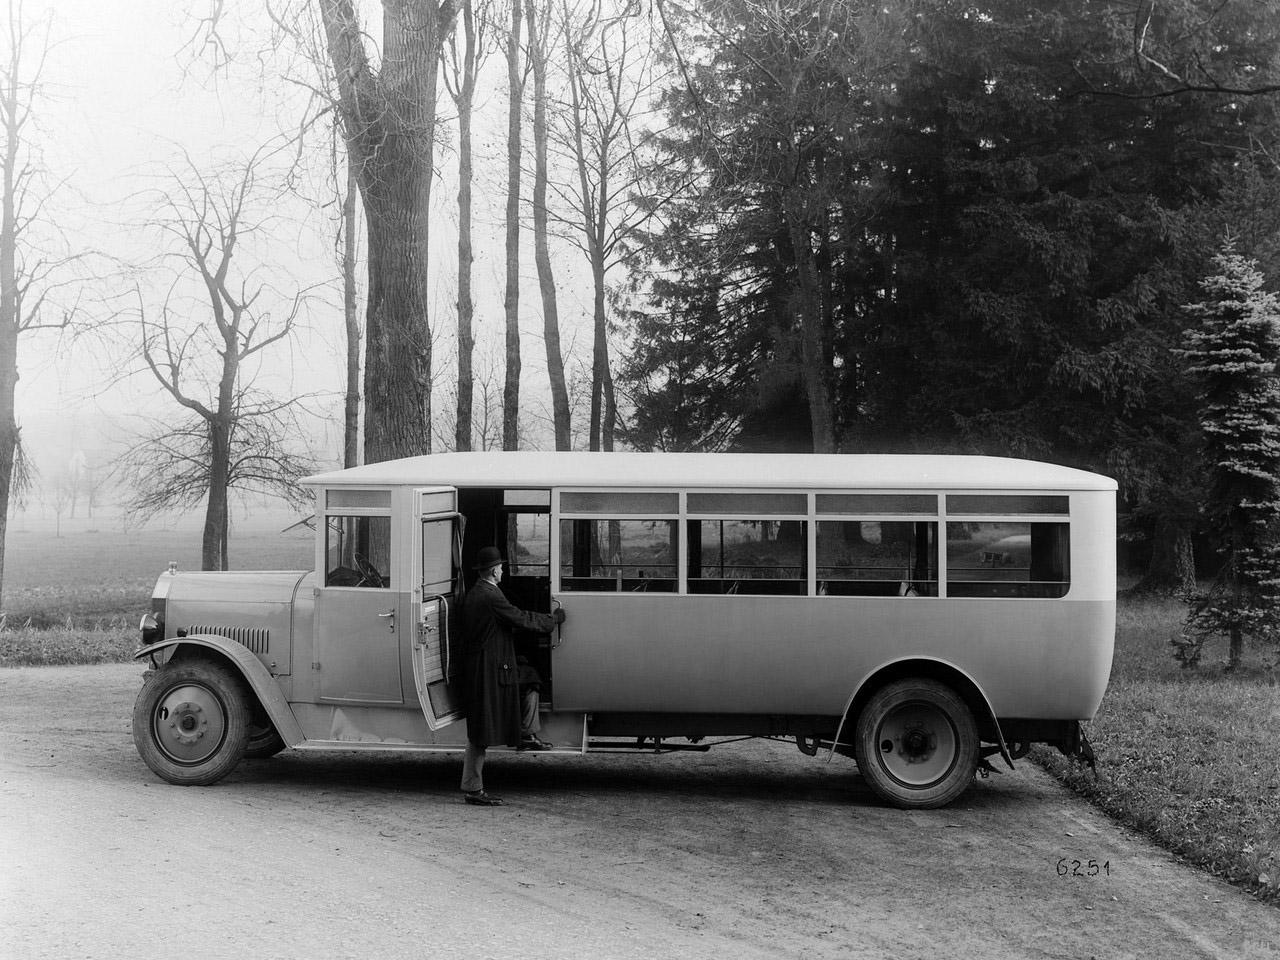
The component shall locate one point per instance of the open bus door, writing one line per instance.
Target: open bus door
(437, 640)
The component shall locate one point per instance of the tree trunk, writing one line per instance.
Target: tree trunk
(8, 312)
(602, 374)
(351, 409)
(212, 548)
(466, 338)
(1171, 569)
(389, 122)
(8, 423)
(808, 301)
(511, 388)
(599, 355)
(539, 55)
(594, 225)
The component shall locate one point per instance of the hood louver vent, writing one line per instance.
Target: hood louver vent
(257, 639)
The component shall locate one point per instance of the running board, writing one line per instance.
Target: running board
(651, 744)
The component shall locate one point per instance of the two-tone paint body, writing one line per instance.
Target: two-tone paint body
(339, 666)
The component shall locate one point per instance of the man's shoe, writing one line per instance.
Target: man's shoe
(482, 799)
(533, 743)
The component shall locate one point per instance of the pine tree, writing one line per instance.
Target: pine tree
(1233, 350)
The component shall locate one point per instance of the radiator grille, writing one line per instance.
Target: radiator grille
(257, 639)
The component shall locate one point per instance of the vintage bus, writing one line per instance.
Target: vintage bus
(920, 614)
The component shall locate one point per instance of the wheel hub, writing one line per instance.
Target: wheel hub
(189, 723)
(186, 722)
(918, 744)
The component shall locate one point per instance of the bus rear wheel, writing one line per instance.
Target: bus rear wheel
(916, 744)
(191, 722)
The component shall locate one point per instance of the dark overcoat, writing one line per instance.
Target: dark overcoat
(489, 663)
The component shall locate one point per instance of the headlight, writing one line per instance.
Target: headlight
(151, 627)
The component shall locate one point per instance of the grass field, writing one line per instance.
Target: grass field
(1186, 756)
(73, 592)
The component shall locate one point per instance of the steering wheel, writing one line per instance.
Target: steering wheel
(369, 575)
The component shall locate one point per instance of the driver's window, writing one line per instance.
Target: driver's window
(358, 552)
(529, 545)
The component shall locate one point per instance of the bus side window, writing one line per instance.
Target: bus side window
(748, 556)
(877, 558)
(995, 558)
(618, 556)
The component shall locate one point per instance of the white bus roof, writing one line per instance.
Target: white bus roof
(716, 470)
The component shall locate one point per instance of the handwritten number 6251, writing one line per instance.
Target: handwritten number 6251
(1083, 868)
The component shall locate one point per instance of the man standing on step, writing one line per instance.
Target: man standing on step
(497, 712)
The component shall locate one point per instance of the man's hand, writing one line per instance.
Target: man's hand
(558, 616)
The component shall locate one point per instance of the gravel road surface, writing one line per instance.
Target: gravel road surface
(750, 851)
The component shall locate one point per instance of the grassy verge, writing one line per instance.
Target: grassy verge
(1187, 757)
(111, 641)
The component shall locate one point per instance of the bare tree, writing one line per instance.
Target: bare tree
(460, 79)
(351, 323)
(297, 29)
(486, 427)
(33, 259)
(61, 496)
(610, 85)
(511, 302)
(204, 345)
(539, 56)
(388, 117)
(92, 479)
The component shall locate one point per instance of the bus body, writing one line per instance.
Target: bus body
(918, 613)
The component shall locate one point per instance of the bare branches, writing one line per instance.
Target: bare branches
(36, 266)
(170, 468)
(351, 66)
(206, 40)
(204, 346)
(1157, 52)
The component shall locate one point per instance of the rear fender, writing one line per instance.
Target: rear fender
(941, 670)
(247, 664)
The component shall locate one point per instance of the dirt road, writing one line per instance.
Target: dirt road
(750, 851)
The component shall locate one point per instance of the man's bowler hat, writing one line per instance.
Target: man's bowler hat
(489, 557)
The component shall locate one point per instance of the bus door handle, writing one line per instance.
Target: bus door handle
(559, 628)
(390, 617)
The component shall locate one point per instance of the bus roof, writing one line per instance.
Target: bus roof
(716, 470)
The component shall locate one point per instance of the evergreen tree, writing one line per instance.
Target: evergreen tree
(767, 160)
(1001, 229)
(1233, 350)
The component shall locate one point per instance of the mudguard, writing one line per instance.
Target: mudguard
(990, 712)
(255, 674)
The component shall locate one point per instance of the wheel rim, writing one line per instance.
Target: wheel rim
(917, 744)
(189, 723)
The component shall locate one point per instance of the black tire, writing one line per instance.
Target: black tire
(264, 741)
(916, 744)
(191, 722)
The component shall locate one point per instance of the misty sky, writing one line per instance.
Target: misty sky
(125, 99)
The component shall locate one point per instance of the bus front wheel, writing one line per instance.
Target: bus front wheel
(264, 742)
(916, 744)
(191, 722)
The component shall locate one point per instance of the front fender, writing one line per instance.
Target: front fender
(255, 674)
